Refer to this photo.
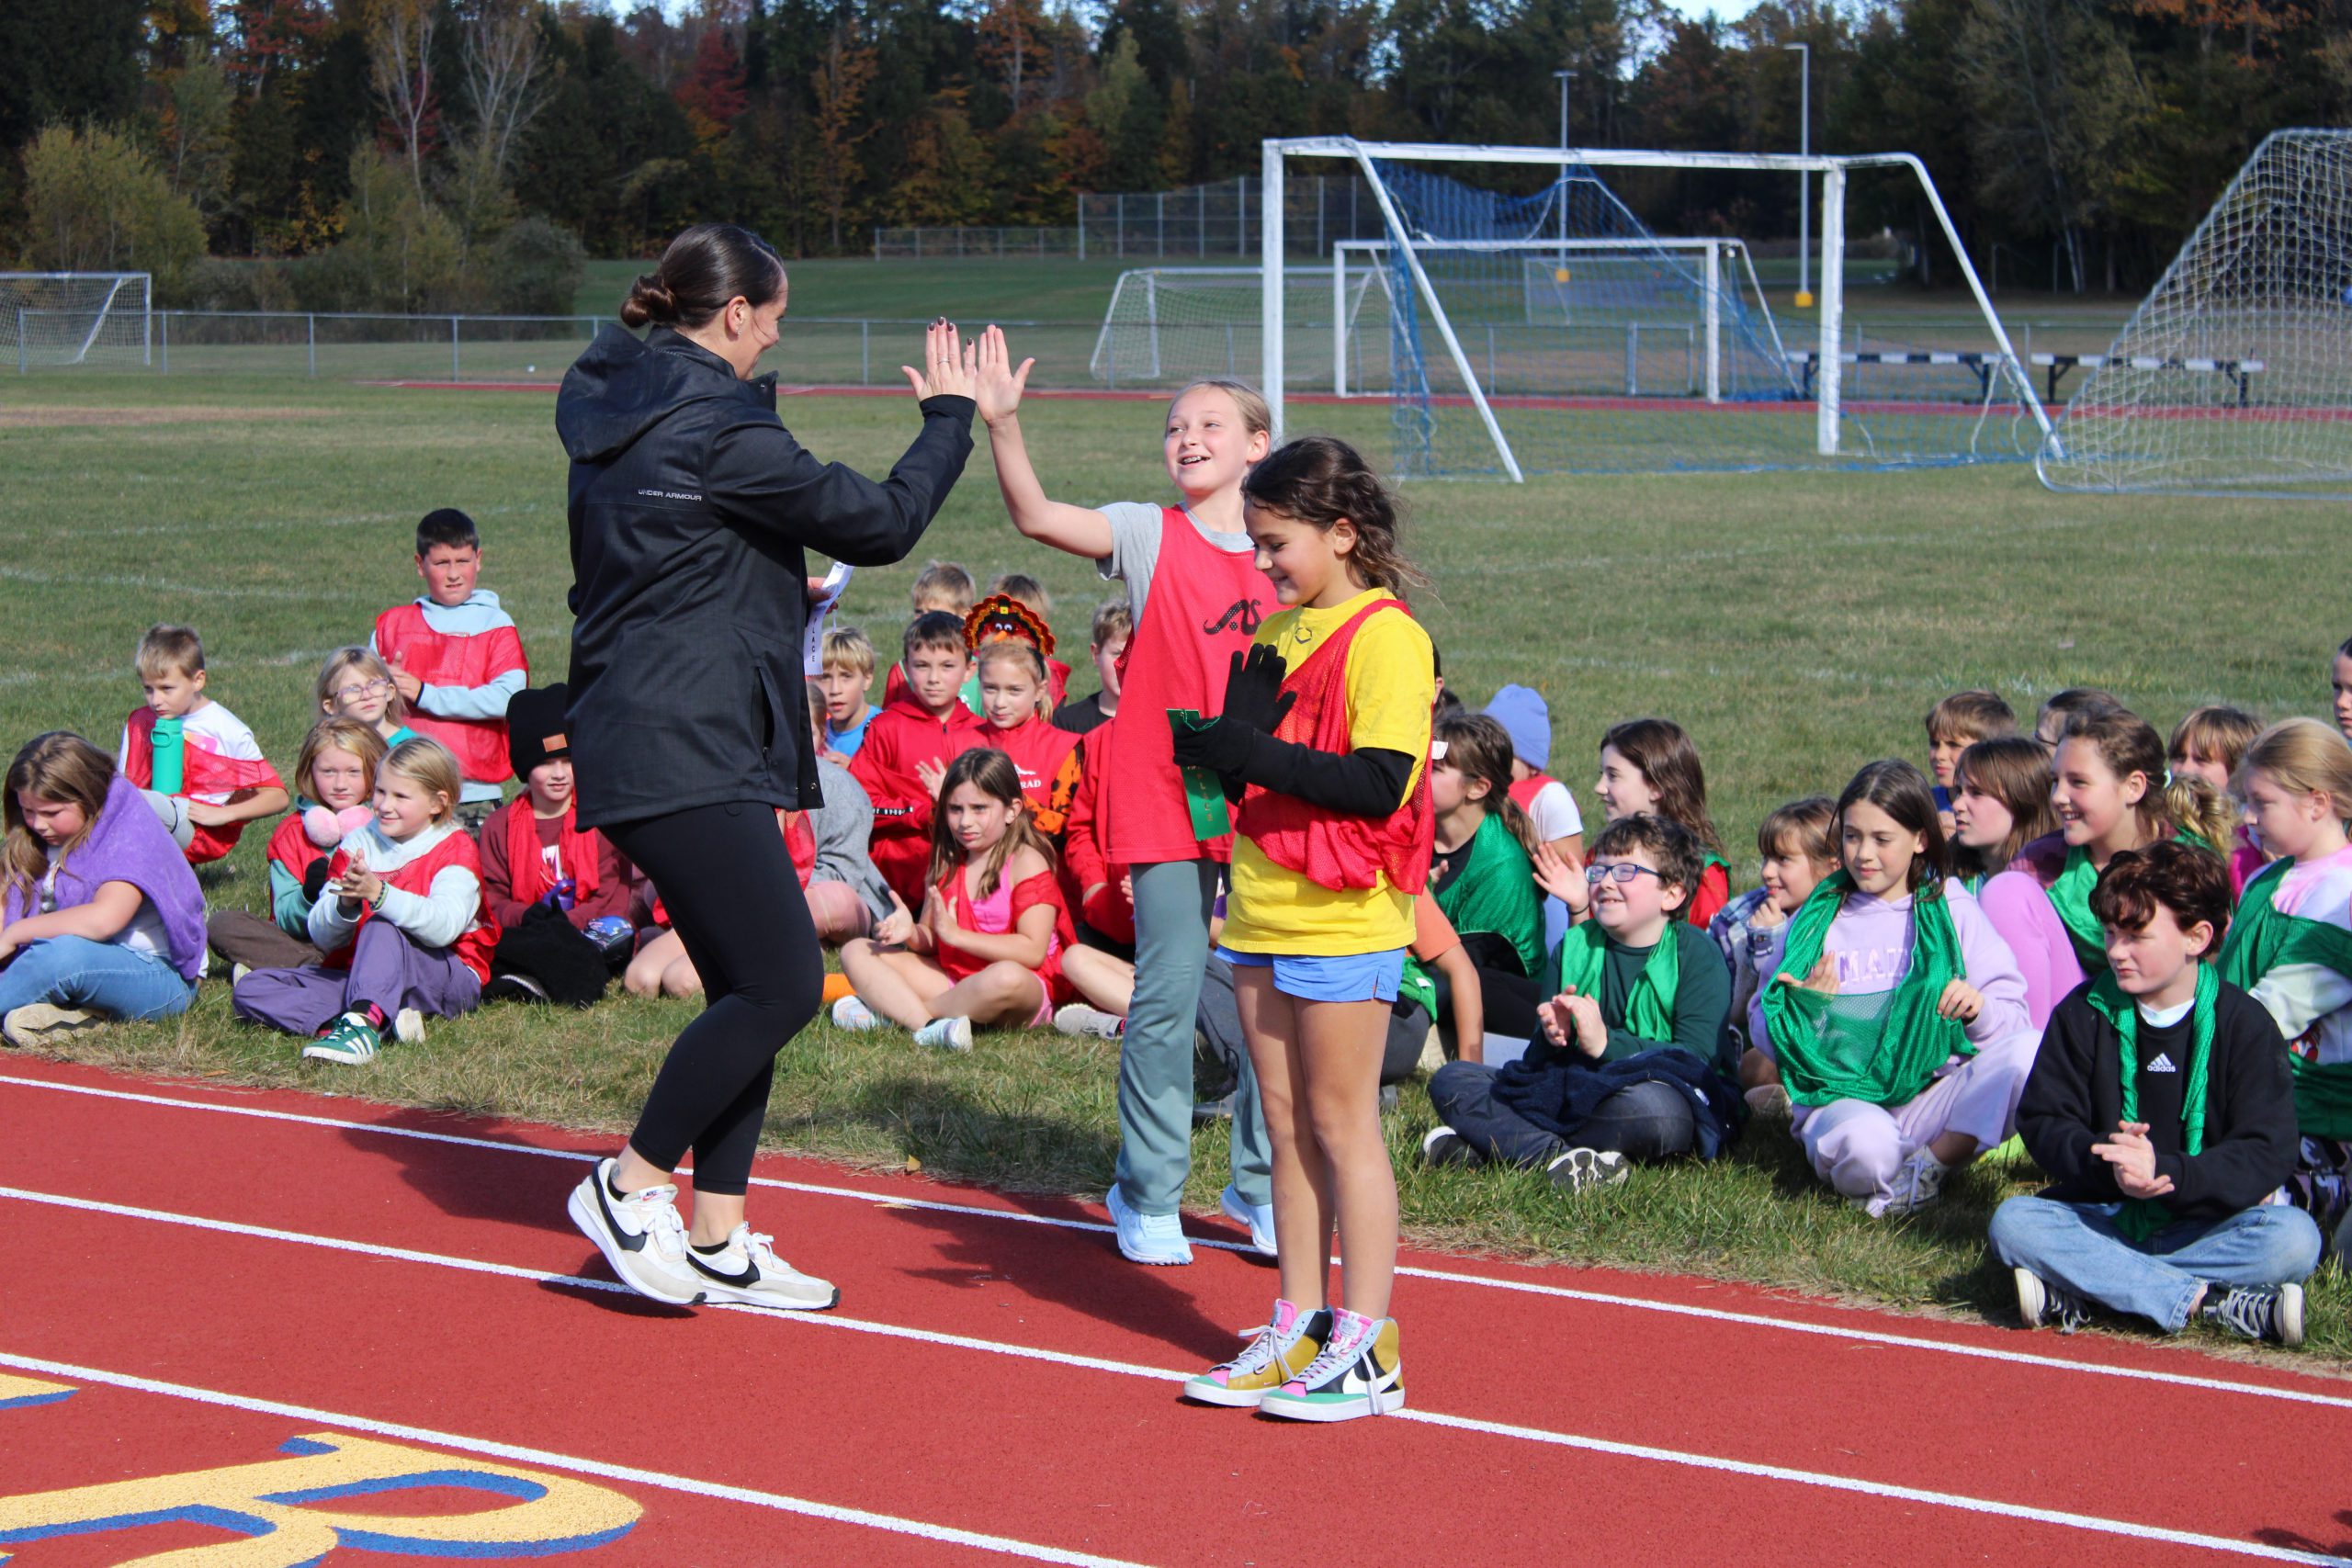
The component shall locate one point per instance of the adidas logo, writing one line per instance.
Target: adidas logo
(2162, 1064)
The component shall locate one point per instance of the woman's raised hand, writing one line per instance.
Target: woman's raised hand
(1001, 384)
(949, 364)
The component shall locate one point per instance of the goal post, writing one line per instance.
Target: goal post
(1838, 433)
(59, 319)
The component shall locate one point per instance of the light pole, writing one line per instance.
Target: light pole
(1563, 78)
(1804, 176)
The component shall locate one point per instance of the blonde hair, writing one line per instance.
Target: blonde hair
(849, 646)
(943, 582)
(167, 651)
(2303, 756)
(59, 766)
(2202, 811)
(335, 733)
(1020, 585)
(365, 660)
(2220, 733)
(1004, 648)
(430, 765)
(1257, 417)
(1970, 716)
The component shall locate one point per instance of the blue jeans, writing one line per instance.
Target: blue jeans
(2077, 1247)
(97, 976)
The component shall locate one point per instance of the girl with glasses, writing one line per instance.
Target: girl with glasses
(355, 684)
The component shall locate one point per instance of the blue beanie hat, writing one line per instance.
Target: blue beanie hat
(1522, 712)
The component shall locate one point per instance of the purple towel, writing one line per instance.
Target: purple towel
(126, 844)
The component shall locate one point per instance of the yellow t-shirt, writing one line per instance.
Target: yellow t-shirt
(1391, 684)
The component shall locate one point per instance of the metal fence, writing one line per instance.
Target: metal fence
(1218, 220)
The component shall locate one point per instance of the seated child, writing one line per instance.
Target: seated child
(1797, 848)
(987, 947)
(102, 918)
(1114, 624)
(908, 747)
(401, 919)
(1650, 765)
(848, 676)
(2064, 707)
(1895, 1016)
(1030, 594)
(2206, 745)
(942, 588)
(1955, 724)
(355, 684)
(1012, 700)
(2161, 1106)
(2339, 685)
(336, 770)
(457, 658)
(2291, 946)
(1549, 805)
(1634, 1062)
(2000, 802)
(200, 769)
(1481, 876)
(560, 892)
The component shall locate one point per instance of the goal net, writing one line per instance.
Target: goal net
(2235, 376)
(49, 319)
(1557, 331)
(1169, 325)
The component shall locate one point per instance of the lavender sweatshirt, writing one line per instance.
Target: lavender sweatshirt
(1870, 939)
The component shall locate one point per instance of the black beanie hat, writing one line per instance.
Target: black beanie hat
(537, 730)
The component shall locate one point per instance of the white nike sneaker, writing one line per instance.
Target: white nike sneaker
(748, 1270)
(640, 1235)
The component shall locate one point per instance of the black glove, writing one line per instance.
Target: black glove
(314, 881)
(1253, 688)
(1222, 746)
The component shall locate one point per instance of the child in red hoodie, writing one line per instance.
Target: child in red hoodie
(1011, 660)
(908, 745)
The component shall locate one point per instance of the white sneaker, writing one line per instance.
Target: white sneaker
(1080, 1019)
(1147, 1238)
(748, 1270)
(1918, 1183)
(852, 1014)
(408, 1027)
(237, 973)
(946, 1034)
(1258, 1217)
(1585, 1170)
(640, 1235)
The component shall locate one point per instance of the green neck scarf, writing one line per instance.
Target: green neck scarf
(2261, 940)
(1495, 891)
(2143, 1217)
(1583, 955)
(1881, 1049)
(168, 754)
(2071, 896)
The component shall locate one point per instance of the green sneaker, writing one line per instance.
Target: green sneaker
(350, 1040)
(1360, 1373)
(1280, 1352)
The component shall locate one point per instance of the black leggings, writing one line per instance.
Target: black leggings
(727, 881)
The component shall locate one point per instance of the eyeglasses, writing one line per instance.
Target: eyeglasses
(1620, 871)
(376, 688)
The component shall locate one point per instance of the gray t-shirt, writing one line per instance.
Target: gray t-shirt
(1135, 547)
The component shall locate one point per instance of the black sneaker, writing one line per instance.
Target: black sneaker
(1443, 1146)
(1582, 1170)
(515, 988)
(2271, 1312)
(2040, 1303)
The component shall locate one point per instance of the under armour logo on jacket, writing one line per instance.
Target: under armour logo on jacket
(1243, 615)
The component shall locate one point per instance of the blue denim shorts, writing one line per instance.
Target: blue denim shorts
(1356, 977)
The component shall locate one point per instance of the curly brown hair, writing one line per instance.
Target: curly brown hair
(1322, 481)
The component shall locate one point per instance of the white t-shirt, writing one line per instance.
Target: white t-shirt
(1135, 547)
(1554, 811)
(225, 735)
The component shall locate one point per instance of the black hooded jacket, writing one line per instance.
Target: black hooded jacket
(691, 506)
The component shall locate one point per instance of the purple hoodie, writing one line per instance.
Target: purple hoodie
(1870, 939)
(126, 844)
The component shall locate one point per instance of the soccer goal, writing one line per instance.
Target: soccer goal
(1714, 381)
(2235, 376)
(1168, 325)
(49, 319)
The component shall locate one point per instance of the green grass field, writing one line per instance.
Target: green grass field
(1798, 624)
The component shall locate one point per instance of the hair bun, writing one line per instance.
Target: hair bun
(649, 299)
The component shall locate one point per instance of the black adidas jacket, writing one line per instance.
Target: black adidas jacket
(691, 506)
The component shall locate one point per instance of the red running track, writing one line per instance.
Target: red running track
(994, 1369)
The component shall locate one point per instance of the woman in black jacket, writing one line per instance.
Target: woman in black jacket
(690, 508)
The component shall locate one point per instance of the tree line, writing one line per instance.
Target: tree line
(439, 155)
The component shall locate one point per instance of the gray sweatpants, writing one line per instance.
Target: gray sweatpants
(1172, 903)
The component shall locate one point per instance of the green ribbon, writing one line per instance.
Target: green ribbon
(2260, 939)
(1582, 957)
(1204, 791)
(2143, 1217)
(1885, 1049)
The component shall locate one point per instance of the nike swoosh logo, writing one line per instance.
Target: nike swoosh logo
(746, 1280)
(611, 1222)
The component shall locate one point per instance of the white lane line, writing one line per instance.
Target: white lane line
(1786, 1473)
(547, 1460)
(1452, 1276)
